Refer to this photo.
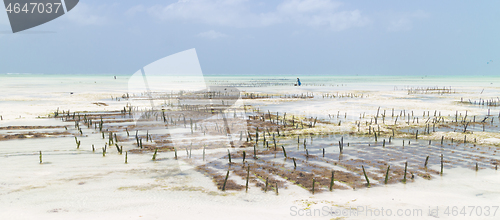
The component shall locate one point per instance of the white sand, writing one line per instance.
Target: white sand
(81, 184)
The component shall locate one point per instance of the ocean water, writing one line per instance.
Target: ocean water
(33, 95)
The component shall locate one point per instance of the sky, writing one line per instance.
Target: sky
(263, 37)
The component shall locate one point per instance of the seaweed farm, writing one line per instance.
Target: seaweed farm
(285, 152)
(273, 144)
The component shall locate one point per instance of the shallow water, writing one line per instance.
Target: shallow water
(84, 182)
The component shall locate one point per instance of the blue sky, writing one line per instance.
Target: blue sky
(273, 37)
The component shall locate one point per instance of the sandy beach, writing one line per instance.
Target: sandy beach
(81, 147)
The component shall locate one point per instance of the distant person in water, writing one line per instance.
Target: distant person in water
(298, 82)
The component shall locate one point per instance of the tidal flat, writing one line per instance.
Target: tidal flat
(247, 147)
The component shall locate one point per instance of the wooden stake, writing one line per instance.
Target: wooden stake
(441, 164)
(254, 152)
(225, 181)
(387, 174)
(332, 180)
(276, 188)
(154, 155)
(406, 166)
(366, 177)
(314, 181)
(267, 180)
(248, 175)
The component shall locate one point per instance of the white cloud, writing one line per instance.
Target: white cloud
(321, 13)
(307, 6)
(134, 10)
(214, 12)
(86, 15)
(404, 22)
(236, 13)
(211, 34)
